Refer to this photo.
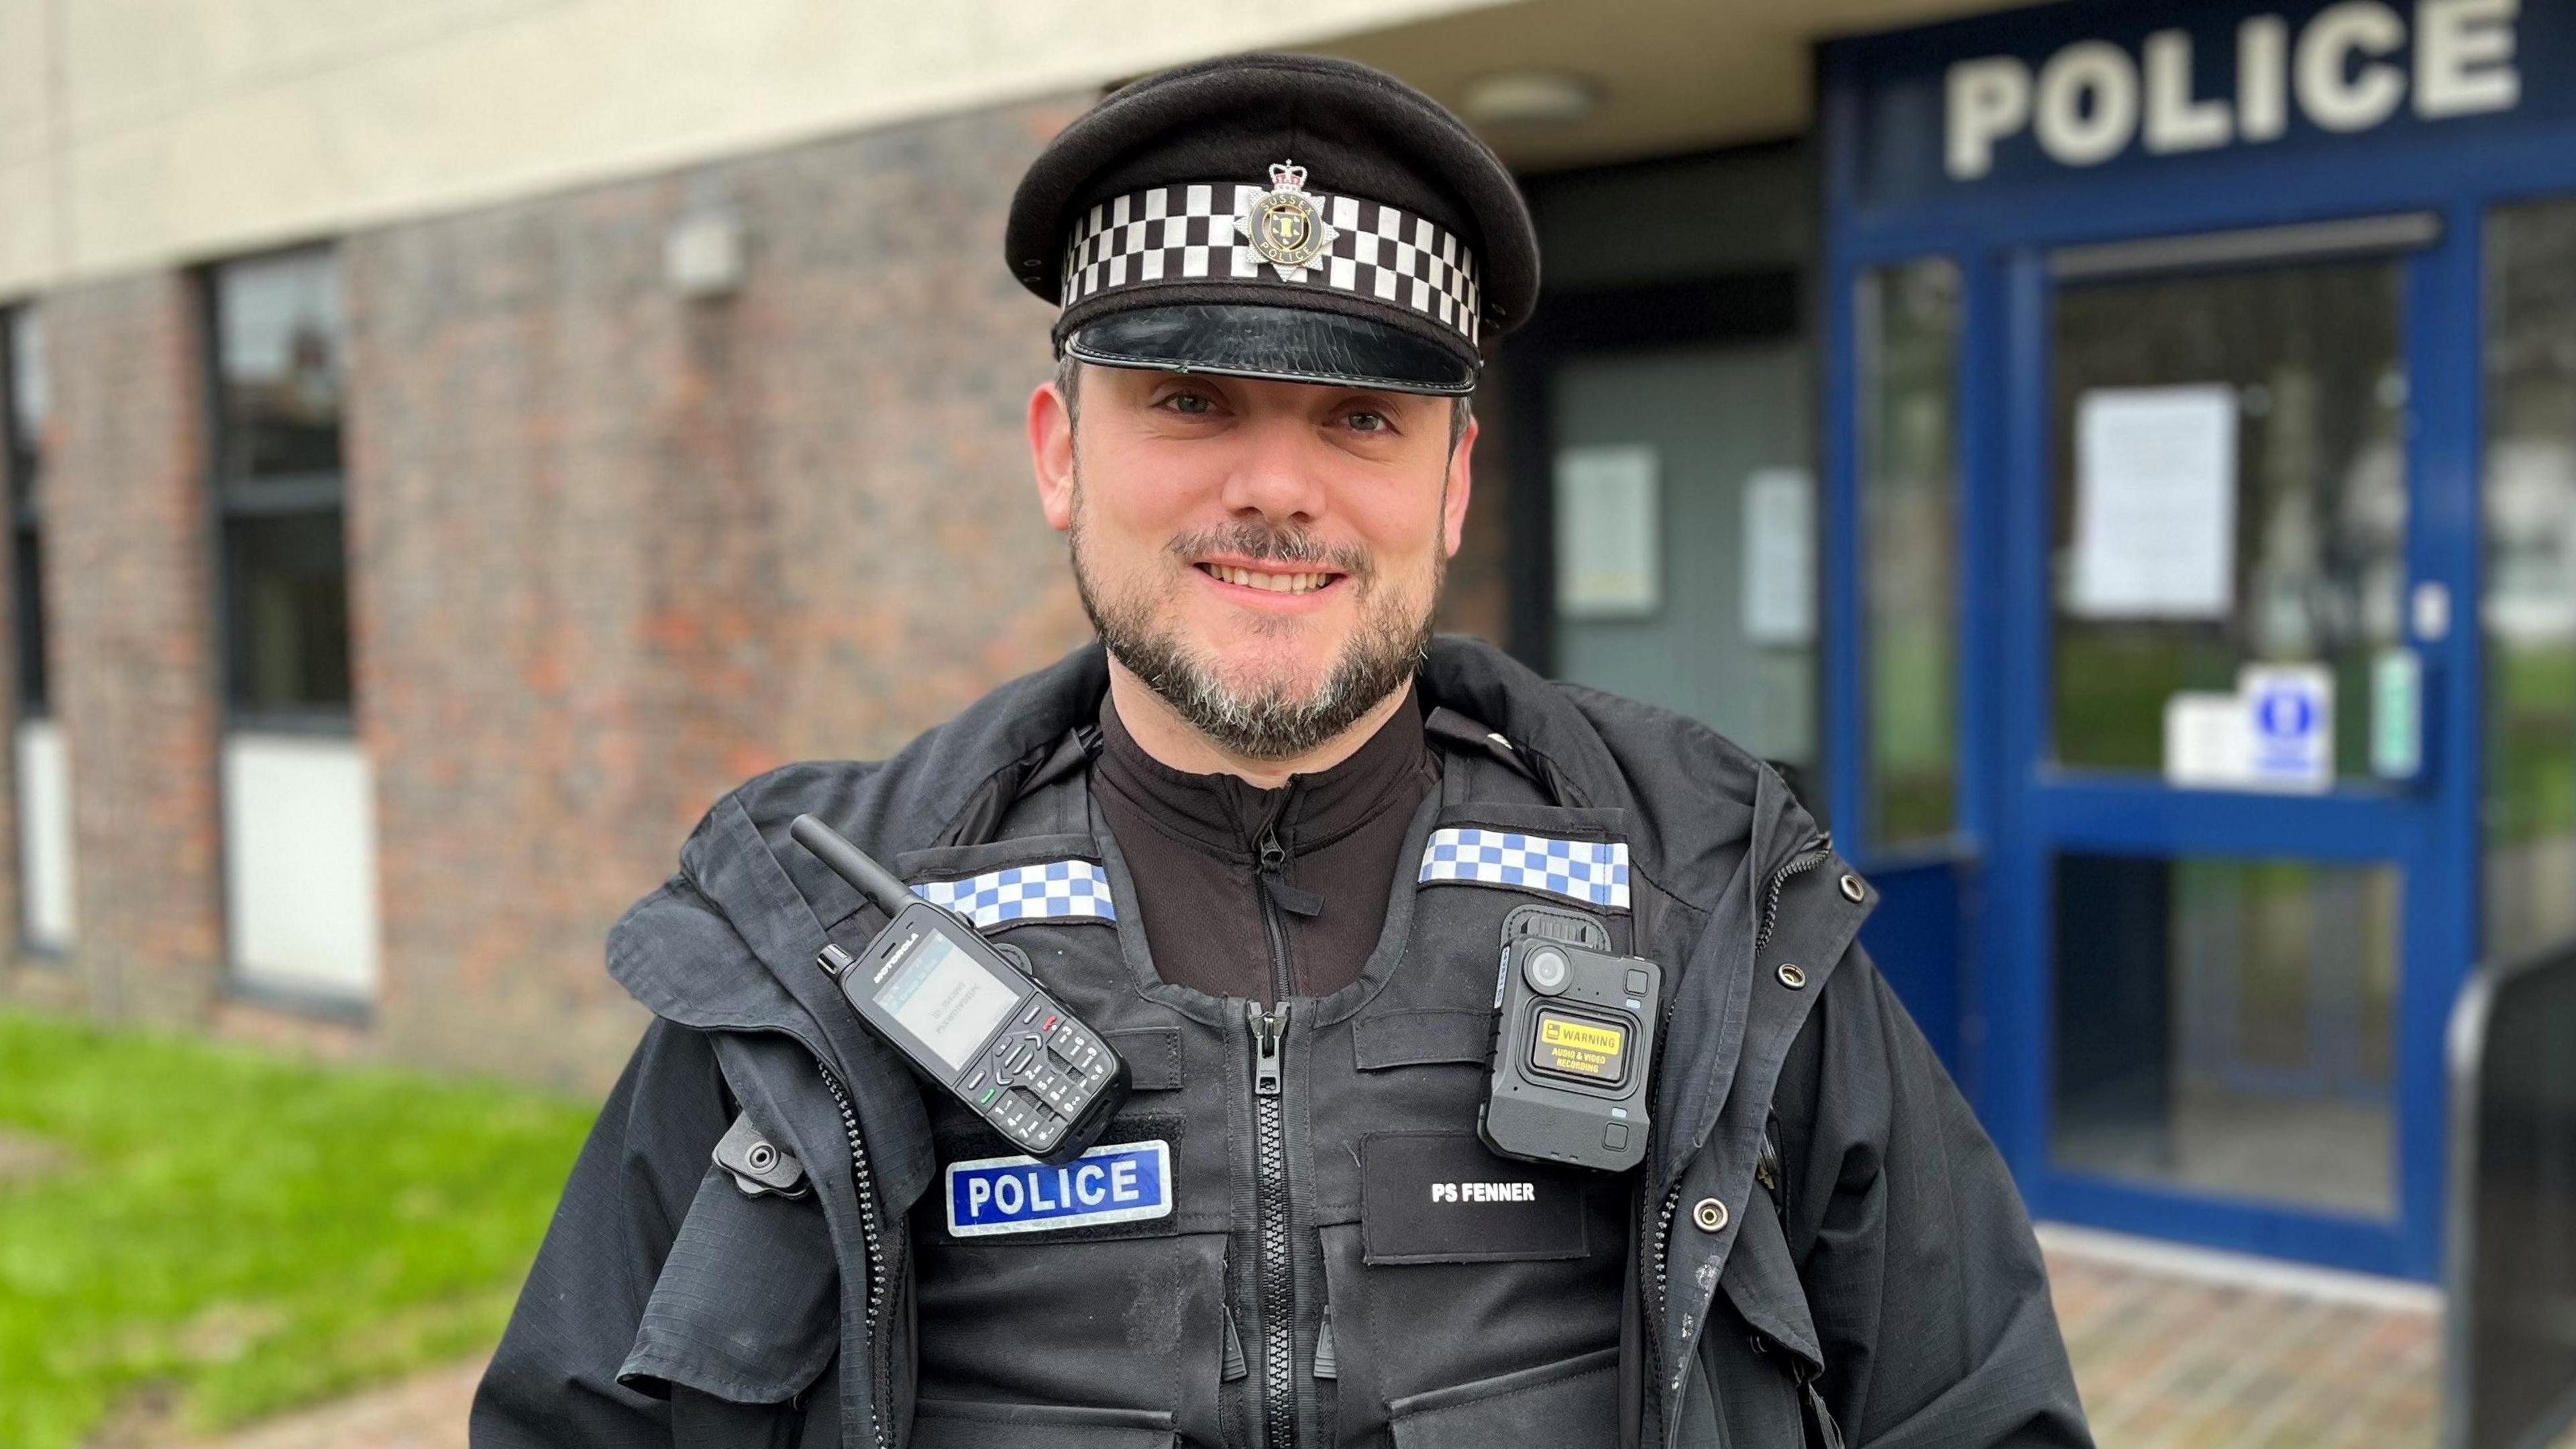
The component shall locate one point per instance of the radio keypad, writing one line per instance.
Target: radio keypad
(1043, 1071)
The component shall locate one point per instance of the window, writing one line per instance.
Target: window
(297, 790)
(41, 767)
(22, 369)
(280, 339)
(1909, 506)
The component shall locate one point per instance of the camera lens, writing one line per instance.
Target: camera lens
(1546, 970)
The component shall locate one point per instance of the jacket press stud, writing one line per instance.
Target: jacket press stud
(1851, 888)
(1792, 975)
(1709, 1214)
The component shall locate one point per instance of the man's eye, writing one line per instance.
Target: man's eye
(1190, 404)
(1365, 421)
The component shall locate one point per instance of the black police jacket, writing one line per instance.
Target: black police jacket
(1822, 1244)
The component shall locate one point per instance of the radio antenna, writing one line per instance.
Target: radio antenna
(851, 864)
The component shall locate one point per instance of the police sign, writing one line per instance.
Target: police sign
(2347, 69)
(2039, 93)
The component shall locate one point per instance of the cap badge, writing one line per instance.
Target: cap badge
(1284, 224)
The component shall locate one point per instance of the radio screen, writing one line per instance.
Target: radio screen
(944, 997)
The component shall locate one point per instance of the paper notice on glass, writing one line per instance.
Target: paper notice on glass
(2207, 744)
(2155, 503)
(1779, 558)
(1606, 533)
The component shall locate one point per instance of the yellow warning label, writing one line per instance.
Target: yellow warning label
(1576, 1048)
(1557, 1031)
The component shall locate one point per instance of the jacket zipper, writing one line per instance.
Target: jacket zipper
(1278, 1280)
(880, 1353)
(1806, 860)
(1274, 861)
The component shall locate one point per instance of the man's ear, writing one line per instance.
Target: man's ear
(1460, 483)
(1051, 454)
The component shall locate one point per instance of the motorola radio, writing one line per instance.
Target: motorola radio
(966, 1018)
(1574, 1045)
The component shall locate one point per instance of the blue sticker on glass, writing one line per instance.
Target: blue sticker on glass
(1124, 1183)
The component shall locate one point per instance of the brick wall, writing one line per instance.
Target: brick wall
(615, 549)
(129, 598)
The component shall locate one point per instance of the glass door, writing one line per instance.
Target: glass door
(2220, 831)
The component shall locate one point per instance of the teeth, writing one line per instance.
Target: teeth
(1273, 583)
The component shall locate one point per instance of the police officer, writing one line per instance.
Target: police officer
(1265, 839)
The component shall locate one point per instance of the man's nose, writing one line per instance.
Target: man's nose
(1275, 477)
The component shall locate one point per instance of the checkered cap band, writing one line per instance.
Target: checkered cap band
(1594, 872)
(1051, 890)
(1187, 234)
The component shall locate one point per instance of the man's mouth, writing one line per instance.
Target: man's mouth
(1302, 582)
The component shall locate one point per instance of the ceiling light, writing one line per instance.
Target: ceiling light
(1530, 97)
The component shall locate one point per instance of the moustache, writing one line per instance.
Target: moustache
(1263, 543)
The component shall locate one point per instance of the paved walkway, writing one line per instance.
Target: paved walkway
(2187, 1350)
(2173, 1350)
(424, 1412)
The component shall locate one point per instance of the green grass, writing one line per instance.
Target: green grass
(248, 1233)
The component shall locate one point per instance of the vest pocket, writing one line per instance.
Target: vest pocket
(1572, 1404)
(1107, 1342)
(952, 1424)
(1400, 1351)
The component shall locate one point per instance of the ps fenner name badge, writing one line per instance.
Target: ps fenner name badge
(1122, 1183)
(1284, 224)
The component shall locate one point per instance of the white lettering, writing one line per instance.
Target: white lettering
(2088, 103)
(1484, 1192)
(2262, 84)
(2176, 121)
(1038, 1200)
(1006, 1195)
(2464, 57)
(1988, 100)
(2336, 94)
(1122, 1181)
(978, 1193)
(1086, 1184)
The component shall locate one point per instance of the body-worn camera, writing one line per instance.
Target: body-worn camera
(1574, 1045)
(967, 1019)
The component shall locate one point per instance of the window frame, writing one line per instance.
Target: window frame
(22, 469)
(229, 498)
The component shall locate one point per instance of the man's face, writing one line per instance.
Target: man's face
(1265, 555)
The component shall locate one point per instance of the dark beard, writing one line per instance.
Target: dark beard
(1381, 657)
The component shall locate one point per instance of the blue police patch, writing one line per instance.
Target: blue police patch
(1117, 1184)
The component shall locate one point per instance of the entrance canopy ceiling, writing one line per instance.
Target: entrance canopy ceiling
(1670, 75)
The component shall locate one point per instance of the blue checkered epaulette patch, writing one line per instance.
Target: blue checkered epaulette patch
(1049, 890)
(1594, 872)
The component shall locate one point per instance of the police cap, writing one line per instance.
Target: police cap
(1277, 216)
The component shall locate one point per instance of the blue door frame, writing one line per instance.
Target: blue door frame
(1888, 203)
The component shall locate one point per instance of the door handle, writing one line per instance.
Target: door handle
(2400, 686)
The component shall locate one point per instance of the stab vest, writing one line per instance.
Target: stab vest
(1342, 1261)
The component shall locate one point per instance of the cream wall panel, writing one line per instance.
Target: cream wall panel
(26, 223)
(26, 99)
(199, 127)
(46, 888)
(28, 154)
(300, 864)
